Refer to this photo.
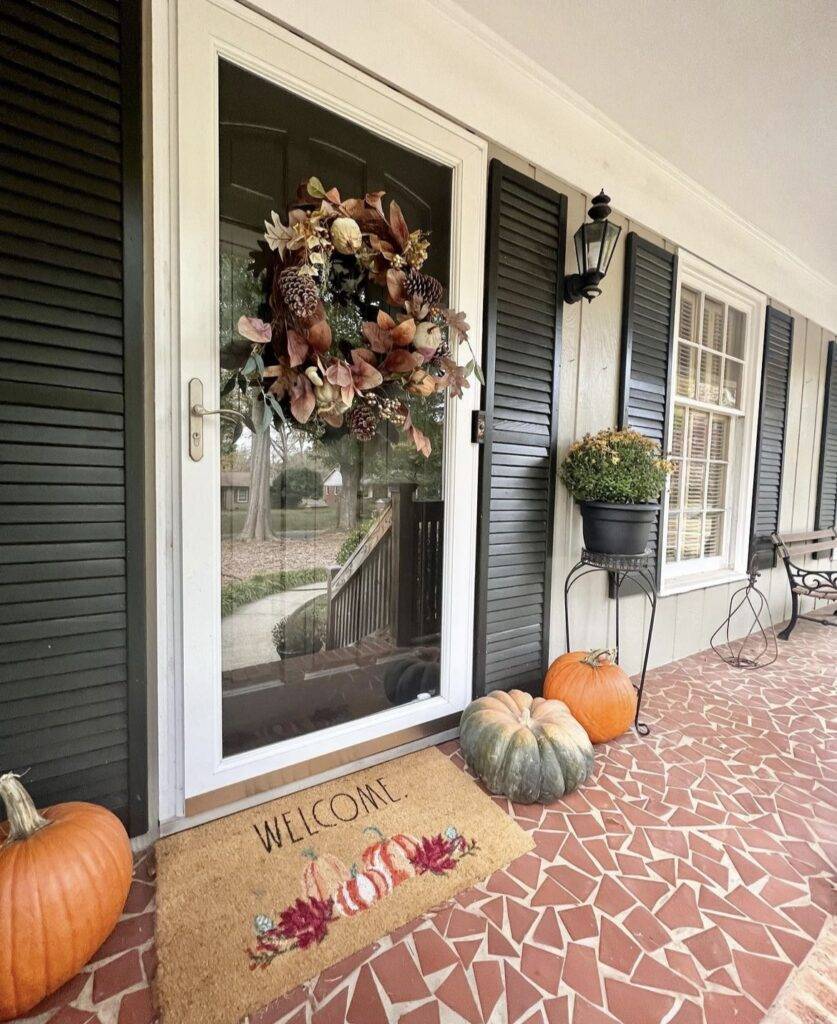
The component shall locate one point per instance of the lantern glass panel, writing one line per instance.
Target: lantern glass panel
(612, 232)
(578, 238)
(593, 237)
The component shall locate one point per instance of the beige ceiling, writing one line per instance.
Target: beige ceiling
(740, 95)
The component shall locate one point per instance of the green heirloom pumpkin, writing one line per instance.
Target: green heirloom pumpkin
(529, 749)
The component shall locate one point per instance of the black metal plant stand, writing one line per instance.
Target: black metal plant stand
(637, 568)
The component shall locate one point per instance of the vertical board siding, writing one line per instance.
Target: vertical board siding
(826, 504)
(770, 446)
(647, 331)
(526, 230)
(66, 517)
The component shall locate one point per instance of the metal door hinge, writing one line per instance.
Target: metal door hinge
(478, 426)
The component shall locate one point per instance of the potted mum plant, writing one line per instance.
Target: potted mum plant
(617, 477)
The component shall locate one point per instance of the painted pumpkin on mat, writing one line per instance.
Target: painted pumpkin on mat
(361, 891)
(529, 749)
(392, 856)
(323, 875)
(599, 694)
(64, 878)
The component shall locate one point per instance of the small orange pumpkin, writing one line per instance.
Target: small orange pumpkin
(64, 879)
(361, 891)
(392, 856)
(598, 693)
(322, 876)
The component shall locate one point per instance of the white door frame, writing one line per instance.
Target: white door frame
(186, 229)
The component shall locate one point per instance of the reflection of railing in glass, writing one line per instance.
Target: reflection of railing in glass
(393, 579)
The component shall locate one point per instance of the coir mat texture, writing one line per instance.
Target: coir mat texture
(251, 905)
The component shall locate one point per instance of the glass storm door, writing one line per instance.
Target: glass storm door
(324, 577)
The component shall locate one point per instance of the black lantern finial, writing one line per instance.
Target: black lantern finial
(595, 243)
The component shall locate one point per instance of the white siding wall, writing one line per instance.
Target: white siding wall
(588, 402)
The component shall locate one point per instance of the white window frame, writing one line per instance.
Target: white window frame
(242, 494)
(695, 574)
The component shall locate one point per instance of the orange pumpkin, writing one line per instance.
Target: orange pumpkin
(598, 693)
(322, 876)
(392, 856)
(361, 891)
(64, 879)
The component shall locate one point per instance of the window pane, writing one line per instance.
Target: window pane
(716, 485)
(719, 441)
(671, 538)
(674, 485)
(677, 429)
(691, 537)
(689, 302)
(698, 434)
(709, 388)
(686, 370)
(736, 330)
(731, 394)
(713, 324)
(695, 477)
(714, 534)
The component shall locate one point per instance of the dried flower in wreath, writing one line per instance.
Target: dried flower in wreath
(325, 357)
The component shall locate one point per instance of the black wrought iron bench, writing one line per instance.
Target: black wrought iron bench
(806, 581)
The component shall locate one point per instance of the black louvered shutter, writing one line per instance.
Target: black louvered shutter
(826, 509)
(72, 680)
(523, 289)
(770, 447)
(647, 334)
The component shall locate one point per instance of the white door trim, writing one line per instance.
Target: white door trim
(205, 30)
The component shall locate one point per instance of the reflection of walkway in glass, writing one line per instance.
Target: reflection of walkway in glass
(246, 634)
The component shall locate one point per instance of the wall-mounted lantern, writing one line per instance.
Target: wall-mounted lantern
(595, 242)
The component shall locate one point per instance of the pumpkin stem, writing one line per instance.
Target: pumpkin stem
(24, 819)
(374, 829)
(594, 657)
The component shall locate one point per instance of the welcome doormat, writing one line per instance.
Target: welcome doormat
(251, 905)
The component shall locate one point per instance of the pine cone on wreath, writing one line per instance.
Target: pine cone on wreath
(422, 287)
(362, 420)
(299, 294)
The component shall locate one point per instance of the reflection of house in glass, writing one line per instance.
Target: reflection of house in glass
(235, 489)
(332, 485)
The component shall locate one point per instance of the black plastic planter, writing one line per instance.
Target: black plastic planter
(611, 529)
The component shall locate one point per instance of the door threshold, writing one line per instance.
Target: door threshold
(240, 796)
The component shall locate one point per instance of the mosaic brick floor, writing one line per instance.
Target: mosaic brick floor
(681, 886)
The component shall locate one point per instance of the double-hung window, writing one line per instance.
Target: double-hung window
(713, 419)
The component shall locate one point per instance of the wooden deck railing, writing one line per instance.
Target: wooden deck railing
(393, 579)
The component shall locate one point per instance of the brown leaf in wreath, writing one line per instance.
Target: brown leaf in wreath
(297, 348)
(378, 337)
(368, 219)
(456, 377)
(302, 398)
(395, 286)
(400, 361)
(319, 335)
(420, 440)
(398, 226)
(382, 246)
(404, 333)
(456, 322)
(373, 200)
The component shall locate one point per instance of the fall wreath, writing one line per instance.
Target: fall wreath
(326, 353)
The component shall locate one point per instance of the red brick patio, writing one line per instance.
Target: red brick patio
(682, 885)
